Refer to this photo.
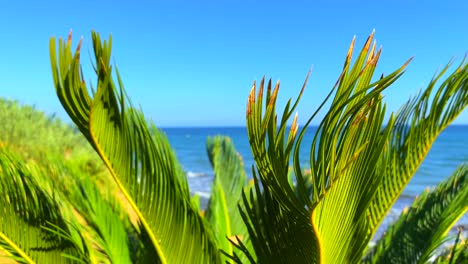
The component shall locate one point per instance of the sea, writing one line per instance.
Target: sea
(448, 151)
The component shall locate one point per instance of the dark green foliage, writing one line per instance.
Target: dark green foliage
(422, 228)
(277, 235)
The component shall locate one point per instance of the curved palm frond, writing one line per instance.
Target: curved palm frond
(229, 180)
(140, 162)
(417, 125)
(333, 214)
(344, 135)
(33, 228)
(344, 153)
(422, 228)
(279, 226)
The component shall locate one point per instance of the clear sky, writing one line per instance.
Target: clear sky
(192, 63)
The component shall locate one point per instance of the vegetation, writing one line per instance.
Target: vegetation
(45, 139)
(133, 203)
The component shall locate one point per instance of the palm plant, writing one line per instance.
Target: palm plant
(141, 163)
(359, 165)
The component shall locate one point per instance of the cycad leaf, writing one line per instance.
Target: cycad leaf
(348, 155)
(278, 235)
(343, 134)
(344, 153)
(229, 180)
(422, 228)
(417, 125)
(348, 161)
(29, 216)
(278, 224)
(141, 163)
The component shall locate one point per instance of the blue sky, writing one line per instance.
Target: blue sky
(192, 63)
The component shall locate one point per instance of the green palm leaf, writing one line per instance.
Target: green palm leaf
(417, 125)
(229, 180)
(344, 153)
(31, 220)
(335, 215)
(341, 139)
(423, 227)
(278, 235)
(140, 162)
(279, 226)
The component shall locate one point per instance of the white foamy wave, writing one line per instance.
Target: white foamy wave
(205, 195)
(191, 174)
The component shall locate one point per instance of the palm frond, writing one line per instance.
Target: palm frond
(279, 226)
(417, 125)
(422, 228)
(348, 156)
(344, 151)
(229, 180)
(31, 219)
(342, 137)
(140, 162)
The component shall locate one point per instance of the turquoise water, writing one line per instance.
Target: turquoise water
(449, 150)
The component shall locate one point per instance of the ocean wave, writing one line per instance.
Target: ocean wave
(205, 195)
(192, 174)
